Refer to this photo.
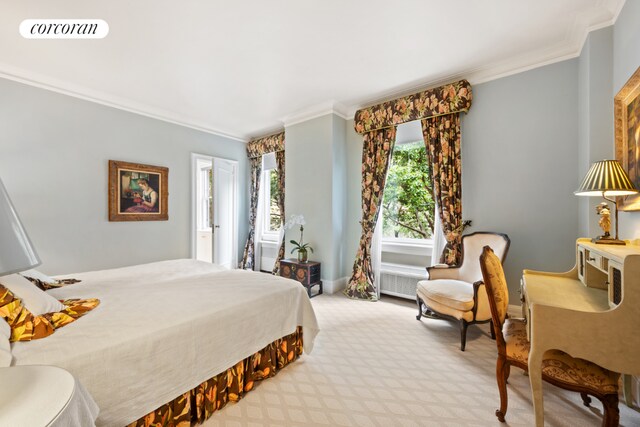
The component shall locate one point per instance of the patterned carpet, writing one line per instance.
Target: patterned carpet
(375, 365)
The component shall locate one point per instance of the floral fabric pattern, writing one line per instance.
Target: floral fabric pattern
(557, 364)
(448, 99)
(442, 141)
(248, 257)
(26, 327)
(376, 153)
(200, 403)
(281, 176)
(268, 144)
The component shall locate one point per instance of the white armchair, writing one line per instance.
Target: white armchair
(458, 292)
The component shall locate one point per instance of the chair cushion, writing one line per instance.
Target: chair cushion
(451, 293)
(557, 364)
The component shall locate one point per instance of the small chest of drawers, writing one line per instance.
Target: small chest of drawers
(307, 273)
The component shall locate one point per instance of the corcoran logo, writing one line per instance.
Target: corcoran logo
(64, 29)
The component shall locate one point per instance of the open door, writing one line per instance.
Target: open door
(224, 213)
(214, 207)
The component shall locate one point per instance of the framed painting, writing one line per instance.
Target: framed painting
(627, 127)
(138, 192)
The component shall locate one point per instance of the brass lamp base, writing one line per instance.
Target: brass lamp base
(607, 240)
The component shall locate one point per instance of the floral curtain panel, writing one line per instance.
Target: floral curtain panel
(442, 141)
(376, 152)
(248, 258)
(448, 99)
(281, 176)
(268, 144)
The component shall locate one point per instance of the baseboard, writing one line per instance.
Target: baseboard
(334, 286)
(514, 310)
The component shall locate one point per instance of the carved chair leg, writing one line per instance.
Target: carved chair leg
(502, 369)
(507, 372)
(463, 334)
(419, 301)
(611, 412)
(586, 400)
(493, 333)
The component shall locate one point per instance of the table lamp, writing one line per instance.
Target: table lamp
(16, 252)
(607, 178)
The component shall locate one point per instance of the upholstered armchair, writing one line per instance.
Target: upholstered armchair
(458, 293)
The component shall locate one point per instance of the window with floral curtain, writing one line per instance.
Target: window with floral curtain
(255, 150)
(439, 110)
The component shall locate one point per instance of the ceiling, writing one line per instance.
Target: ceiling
(243, 68)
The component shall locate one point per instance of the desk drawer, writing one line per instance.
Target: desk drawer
(595, 260)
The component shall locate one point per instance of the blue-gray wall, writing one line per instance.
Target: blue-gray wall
(520, 166)
(595, 116)
(315, 188)
(54, 152)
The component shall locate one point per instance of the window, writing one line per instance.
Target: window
(408, 206)
(205, 194)
(270, 194)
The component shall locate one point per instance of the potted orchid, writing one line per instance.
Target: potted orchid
(299, 246)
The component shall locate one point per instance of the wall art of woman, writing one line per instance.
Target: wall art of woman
(146, 200)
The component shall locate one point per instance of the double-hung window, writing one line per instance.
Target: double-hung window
(205, 194)
(408, 205)
(270, 212)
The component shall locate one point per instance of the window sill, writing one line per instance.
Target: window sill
(407, 248)
(269, 244)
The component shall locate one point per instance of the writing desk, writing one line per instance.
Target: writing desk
(591, 312)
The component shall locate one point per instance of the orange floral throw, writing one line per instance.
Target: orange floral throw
(198, 404)
(26, 327)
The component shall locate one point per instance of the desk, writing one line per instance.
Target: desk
(591, 312)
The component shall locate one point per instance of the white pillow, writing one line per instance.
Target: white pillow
(5, 345)
(37, 301)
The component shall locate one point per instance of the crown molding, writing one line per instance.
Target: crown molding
(571, 47)
(315, 111)
(575, 41)
(76, 91)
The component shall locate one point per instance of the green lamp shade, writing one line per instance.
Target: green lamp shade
(606, 176)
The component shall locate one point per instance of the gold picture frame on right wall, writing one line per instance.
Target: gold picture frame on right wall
(627, 128)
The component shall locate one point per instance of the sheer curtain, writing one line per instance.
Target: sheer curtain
(438, 239)
(376, 254)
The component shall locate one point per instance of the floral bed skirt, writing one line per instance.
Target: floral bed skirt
(198, 404)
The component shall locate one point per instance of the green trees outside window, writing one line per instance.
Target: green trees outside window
(408, 206)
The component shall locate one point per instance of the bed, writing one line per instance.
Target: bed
(163, 328)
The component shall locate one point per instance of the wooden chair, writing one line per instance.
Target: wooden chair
(558, 368)
(457, 293)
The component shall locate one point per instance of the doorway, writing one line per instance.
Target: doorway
(214, 233)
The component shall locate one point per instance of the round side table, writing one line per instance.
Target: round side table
(34, 395)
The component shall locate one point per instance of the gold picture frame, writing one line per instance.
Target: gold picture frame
(138, 192)
(627, 130)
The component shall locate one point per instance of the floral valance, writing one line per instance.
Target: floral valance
(268, 144)
(450, 98)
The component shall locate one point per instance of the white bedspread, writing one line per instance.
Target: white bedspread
(163, 328)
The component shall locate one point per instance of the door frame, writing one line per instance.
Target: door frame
(194, 214)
